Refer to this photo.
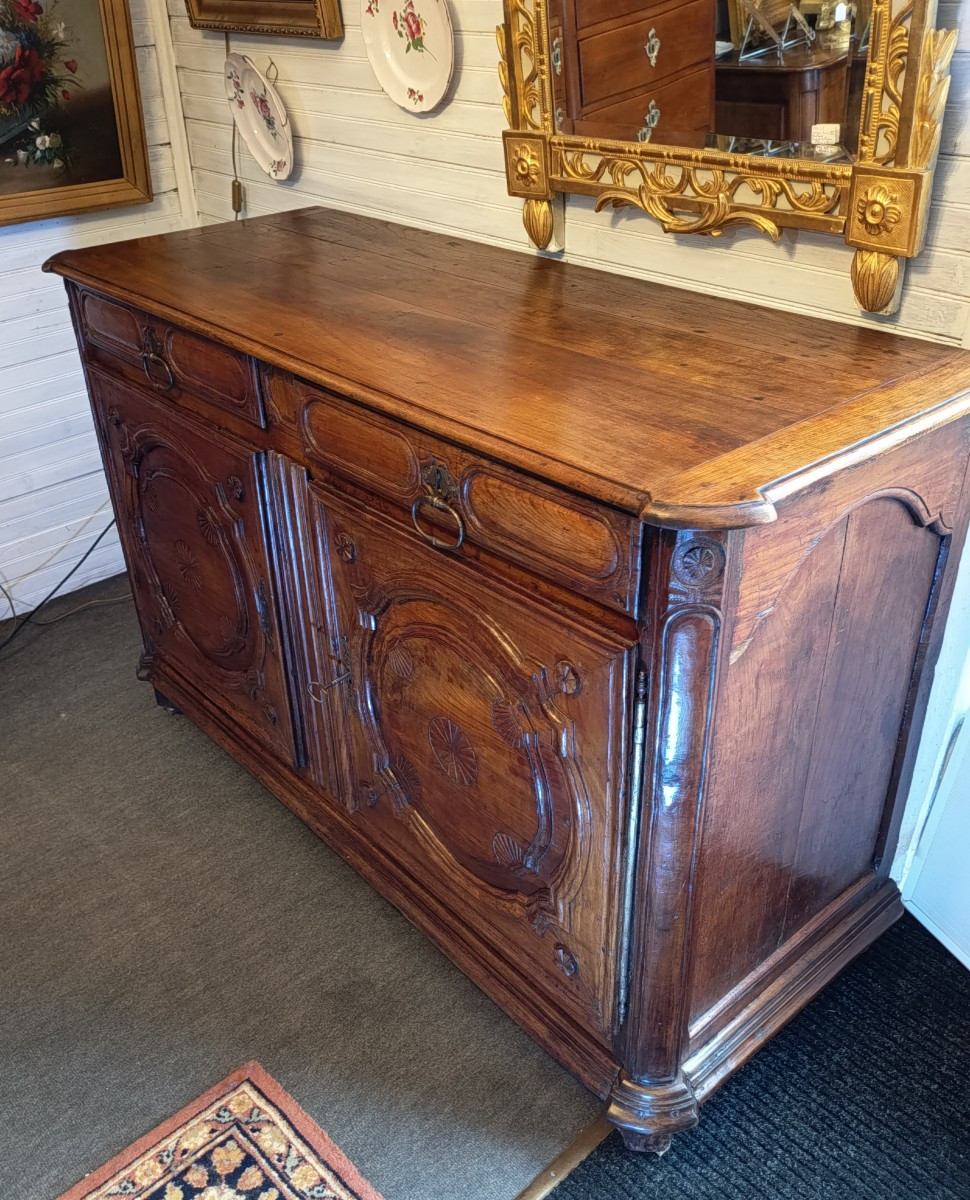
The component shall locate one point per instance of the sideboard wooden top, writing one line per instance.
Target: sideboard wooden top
(692, 411)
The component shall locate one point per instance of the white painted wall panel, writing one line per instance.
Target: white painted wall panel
(53, 497)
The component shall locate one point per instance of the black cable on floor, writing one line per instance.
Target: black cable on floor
(19, 624)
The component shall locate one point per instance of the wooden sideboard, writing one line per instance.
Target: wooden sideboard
(591, 621)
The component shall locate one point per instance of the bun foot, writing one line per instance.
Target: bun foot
(646, 1143)
(649, 1112)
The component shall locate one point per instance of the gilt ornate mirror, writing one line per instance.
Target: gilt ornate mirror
(708, 114)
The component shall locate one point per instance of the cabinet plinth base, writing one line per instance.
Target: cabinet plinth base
(649, 1114)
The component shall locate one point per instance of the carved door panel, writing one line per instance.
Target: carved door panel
(188, 508)
(485, 747)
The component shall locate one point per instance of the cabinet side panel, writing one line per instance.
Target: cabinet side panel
(761, 758)
(885, 591)
(837, 606)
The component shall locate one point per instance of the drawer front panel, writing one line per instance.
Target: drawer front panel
(593, 12)
(112, 326)
(685, 104)
(176, 363)
(483, 747)
(568, 539)
(616, 62)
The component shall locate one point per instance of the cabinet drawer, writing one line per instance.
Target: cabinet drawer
(595, 12)
(460, 498)
(616, 62)
(178, 365)
(684, 104)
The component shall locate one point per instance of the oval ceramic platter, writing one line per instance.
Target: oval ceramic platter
(411, 47)
(260, 116)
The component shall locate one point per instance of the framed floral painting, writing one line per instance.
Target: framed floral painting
(72, 137)
(288, 18)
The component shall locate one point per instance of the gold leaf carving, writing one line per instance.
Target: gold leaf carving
(934, 84)
(878, 202)
(717, 196)
(882, 99)
(520, 78)
(526, 166)
(879, 209)
(537, 217)
(874, 278)
(503, 74)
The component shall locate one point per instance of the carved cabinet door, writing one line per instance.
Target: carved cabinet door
(188, 506)
(484, 747)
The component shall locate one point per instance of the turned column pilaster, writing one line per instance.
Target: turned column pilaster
(652, 1099)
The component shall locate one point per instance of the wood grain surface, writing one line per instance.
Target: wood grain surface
(506, 353)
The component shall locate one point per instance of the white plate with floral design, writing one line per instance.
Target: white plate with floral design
(411, 47)
(260, 116)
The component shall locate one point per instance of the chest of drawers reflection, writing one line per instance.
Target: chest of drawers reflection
(646, 68)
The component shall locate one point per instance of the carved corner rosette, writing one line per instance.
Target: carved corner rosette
(527, 173)
(886, 221)
(879, 203)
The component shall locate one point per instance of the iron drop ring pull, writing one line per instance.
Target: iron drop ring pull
(437, 503)
(152, 358)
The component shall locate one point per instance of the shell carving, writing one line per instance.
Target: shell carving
(511, 855)
(408, 783)
(400, 661)
(506, 723)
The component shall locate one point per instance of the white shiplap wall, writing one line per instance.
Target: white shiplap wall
(53, 498)
(355, 149)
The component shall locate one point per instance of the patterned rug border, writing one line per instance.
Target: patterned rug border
(317, 1139)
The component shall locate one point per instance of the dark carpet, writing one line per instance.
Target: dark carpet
(864, 1096)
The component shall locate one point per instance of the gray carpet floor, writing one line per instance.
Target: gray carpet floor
(164, 920)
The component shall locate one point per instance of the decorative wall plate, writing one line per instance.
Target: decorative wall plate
(260, 116)
(411, 47)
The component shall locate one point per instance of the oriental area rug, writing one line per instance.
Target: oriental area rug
(245, 1139)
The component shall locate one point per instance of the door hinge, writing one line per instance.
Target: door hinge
(638, 751)
(262, 607)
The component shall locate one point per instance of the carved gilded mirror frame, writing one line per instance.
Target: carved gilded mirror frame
(878, 203)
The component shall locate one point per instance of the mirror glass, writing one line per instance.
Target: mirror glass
(762, 77)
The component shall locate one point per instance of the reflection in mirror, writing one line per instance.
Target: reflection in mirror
(762, 77)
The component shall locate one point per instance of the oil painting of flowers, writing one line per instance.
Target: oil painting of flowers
(71, 130)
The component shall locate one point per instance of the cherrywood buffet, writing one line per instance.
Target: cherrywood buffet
(596, 640)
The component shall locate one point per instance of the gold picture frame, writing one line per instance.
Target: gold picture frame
(114, 124)
(878, 203)
(272, 18)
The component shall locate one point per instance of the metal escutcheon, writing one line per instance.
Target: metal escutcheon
(318, 691)
(441, 506)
